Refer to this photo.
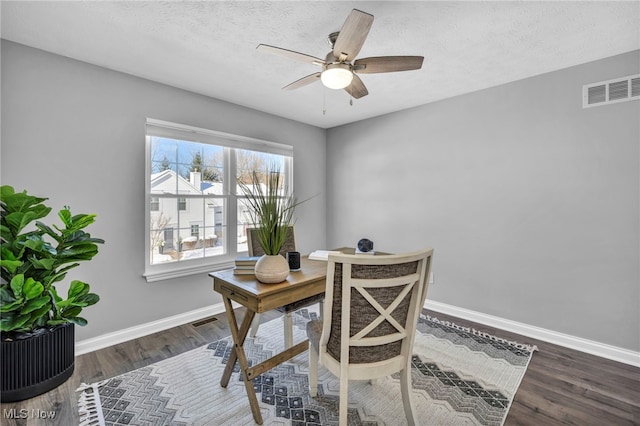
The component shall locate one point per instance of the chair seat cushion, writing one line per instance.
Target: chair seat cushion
(287, 309)
(314, 331)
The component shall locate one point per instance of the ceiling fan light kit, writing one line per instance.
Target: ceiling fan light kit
(339, 69)
(337, 76)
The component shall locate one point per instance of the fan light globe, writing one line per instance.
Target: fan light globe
(336, 76)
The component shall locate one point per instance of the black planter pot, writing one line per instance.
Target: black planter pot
(36, 363)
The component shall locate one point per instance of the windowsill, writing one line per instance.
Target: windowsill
(169, 272)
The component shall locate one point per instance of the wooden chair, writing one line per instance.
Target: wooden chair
(368, 328)
(255, 249)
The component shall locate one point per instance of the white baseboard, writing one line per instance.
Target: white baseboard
(589, 346)
(135, 332)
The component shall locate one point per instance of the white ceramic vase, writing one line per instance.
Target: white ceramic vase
(271, 269)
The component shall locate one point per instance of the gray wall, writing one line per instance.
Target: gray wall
(530, 201)
(74, 132)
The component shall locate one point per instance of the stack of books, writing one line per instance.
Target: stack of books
(322, 254)
(245, 265)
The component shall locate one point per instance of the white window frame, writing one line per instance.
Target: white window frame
(160, 128)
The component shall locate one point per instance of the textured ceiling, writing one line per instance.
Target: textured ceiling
(209, 47)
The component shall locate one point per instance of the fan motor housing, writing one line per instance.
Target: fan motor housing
(331, 39)
(330, 59)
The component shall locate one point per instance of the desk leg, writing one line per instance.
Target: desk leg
(237, 354)
(238, 336)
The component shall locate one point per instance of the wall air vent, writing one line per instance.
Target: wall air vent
(611, 91)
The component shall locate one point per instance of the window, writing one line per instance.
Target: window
(197, 219)
(182, 204)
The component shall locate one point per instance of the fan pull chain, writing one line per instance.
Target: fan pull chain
(351, 100)
(324, 102)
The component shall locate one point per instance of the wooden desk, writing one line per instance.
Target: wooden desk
(258, 298)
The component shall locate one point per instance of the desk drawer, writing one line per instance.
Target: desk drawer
(292, 295)
(234, 294)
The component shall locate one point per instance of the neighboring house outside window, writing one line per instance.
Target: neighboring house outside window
(197, 218)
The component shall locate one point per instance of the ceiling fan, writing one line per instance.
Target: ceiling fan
(339, 69)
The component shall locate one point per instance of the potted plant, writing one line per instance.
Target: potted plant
(36, 323)
(271, 208)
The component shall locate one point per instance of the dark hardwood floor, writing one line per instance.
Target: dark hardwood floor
(561, 386)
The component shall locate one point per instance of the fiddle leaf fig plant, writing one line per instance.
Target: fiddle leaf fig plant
(34, 256)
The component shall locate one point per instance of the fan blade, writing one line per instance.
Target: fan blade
(352, 35)
(387, 64)
(303, 81)
(356, 88)
(291, 54)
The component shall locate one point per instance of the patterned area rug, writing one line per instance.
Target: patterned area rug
(460, 377)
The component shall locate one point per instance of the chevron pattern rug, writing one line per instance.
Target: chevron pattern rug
(460, 377)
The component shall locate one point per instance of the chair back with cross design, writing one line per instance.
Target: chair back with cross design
(254, 248)
(372, 305)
